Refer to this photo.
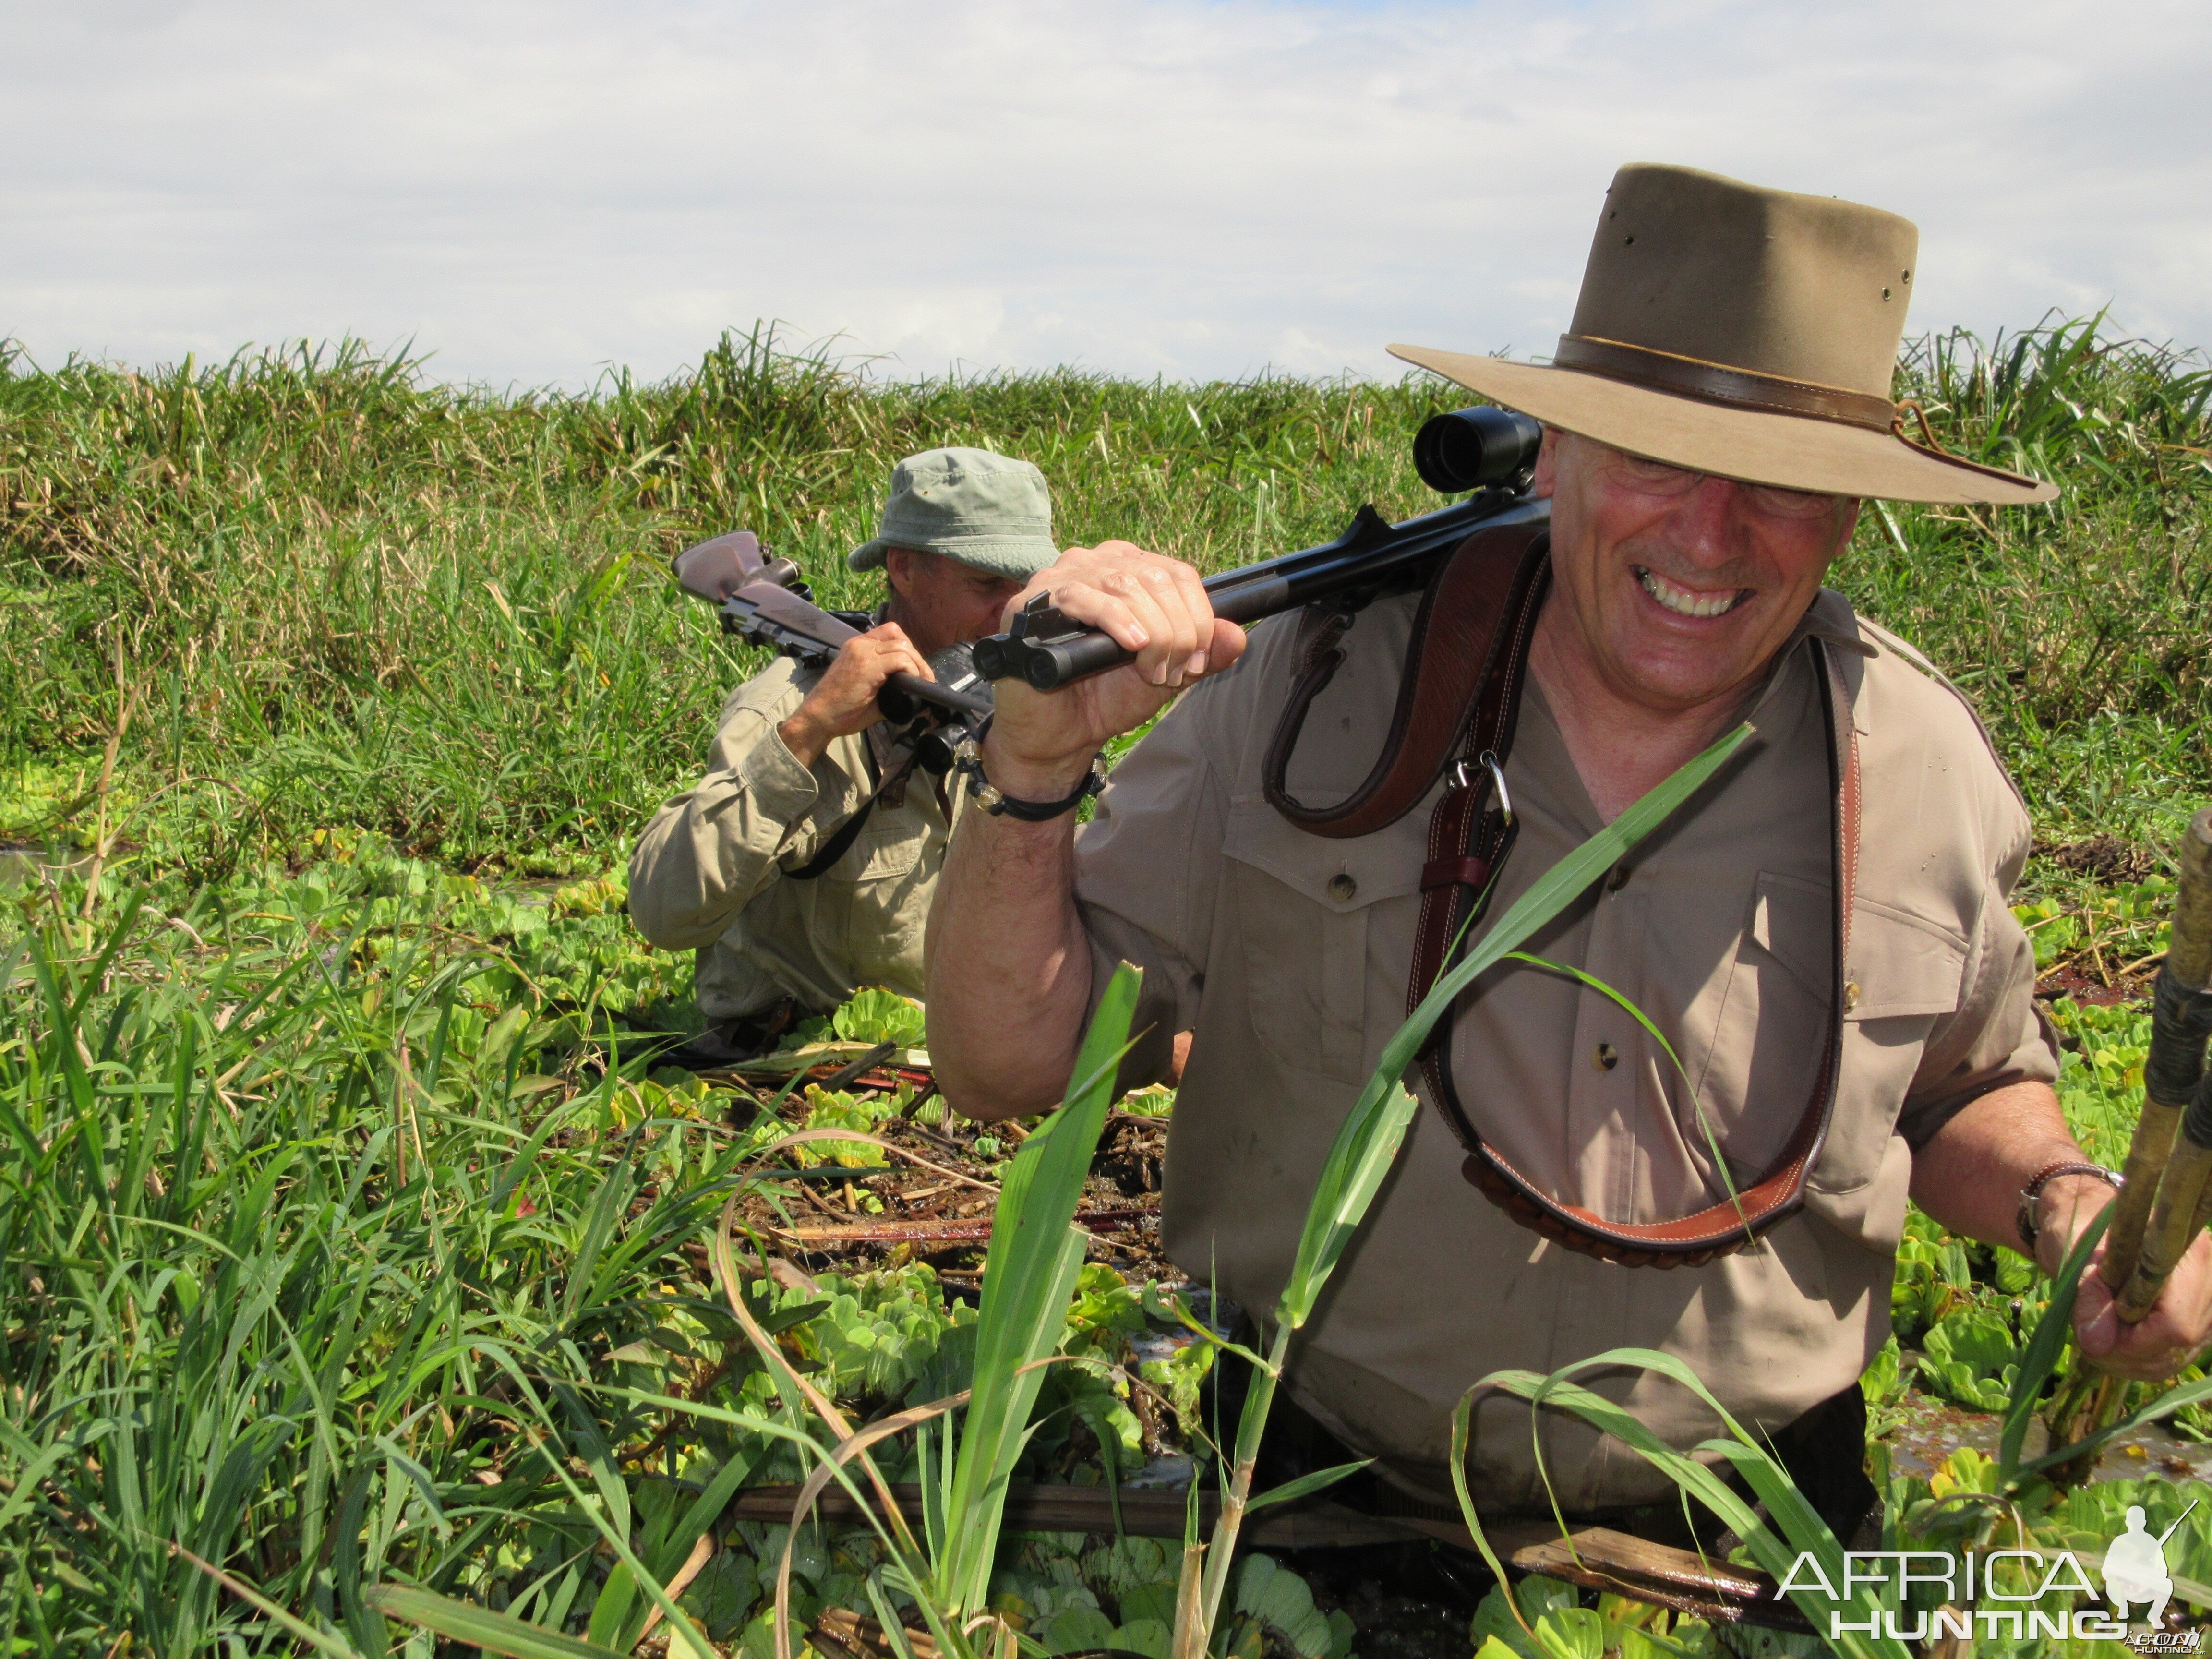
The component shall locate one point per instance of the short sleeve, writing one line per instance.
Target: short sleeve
(1998, 1035)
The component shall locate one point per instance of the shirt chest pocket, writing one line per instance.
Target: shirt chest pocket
(1310, 914)
(877, 896)
(1902, 974)
(1898, 965)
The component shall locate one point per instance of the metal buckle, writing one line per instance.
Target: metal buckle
(967, 760)
(1462, 779)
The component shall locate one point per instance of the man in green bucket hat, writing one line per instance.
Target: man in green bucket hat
(989, 512)
(801, 867)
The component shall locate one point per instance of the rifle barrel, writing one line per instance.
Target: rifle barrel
(1370, 555)
(928, 693)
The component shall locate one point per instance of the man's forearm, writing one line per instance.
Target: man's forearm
(709, 852)
(698, 864)
(1969, 1175)
(1009, 967)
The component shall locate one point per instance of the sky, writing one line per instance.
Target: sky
(531, 192)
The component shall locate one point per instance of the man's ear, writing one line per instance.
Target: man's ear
(1547, 464)
(904, 567)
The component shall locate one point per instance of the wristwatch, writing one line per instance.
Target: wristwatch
(2024, 1220)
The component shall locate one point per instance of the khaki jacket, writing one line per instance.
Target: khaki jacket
(712, 871)
(1287, 955)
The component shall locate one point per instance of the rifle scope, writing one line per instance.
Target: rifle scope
(1477, 448)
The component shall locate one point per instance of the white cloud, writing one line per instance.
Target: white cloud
(1189, 188)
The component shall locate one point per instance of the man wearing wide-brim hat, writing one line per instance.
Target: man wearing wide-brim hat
(1821, 932)
(801, 867)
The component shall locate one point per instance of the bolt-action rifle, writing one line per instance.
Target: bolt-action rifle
(764, 601)
(1491, 451)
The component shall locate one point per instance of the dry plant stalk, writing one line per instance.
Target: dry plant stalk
(126, 697)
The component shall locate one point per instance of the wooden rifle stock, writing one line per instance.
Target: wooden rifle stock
(765, 602)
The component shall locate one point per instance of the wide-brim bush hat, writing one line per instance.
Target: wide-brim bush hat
(1745, 332)
(987, 510)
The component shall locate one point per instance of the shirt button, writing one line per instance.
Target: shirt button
(1341, 887)
(1850, 994)
(1605, 1057)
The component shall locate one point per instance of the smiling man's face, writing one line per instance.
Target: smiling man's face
(1673, 590)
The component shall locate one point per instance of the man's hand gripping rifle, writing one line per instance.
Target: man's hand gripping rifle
(765, 602)
(1491, 452)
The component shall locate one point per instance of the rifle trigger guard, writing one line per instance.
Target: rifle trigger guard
(1462, 778)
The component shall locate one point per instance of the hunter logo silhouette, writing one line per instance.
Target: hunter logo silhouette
(2135, 1572)
(2134, 1568)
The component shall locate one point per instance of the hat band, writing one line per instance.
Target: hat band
(1693, 377)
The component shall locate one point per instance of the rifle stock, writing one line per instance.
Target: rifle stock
(764, 601)
(717, 568)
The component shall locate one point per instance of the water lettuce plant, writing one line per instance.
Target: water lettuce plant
(1971, 1358)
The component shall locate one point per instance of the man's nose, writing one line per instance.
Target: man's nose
(1711, 523)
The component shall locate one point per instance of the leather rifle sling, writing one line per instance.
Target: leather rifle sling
(1458, 703)
(1463, 612)
(1719, 1229)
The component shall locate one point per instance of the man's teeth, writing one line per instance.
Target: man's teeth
(1687, 601)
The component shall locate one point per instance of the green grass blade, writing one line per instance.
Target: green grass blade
(321, 1641)
(1029, 1280)
(480, 1627)
(2045, 1345)
(2163, 1406)
(1802, 1528)
(1365, 1147)
(1351, 1174)
(1291, 1491)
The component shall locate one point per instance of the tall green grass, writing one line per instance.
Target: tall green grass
(348, 595)
(307, 1271)
(2079, 630)
(969, 1442)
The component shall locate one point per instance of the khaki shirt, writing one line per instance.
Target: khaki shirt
(1287, 955)
(712, 871)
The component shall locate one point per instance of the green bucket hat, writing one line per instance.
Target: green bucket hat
(986, 510)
